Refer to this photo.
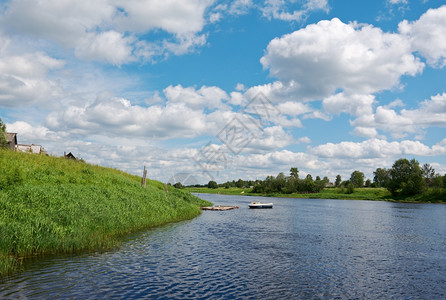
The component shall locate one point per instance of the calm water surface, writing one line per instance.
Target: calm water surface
(300, 249)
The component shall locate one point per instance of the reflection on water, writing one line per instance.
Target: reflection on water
(300, 249)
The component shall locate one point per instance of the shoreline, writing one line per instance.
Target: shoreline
(370, 194)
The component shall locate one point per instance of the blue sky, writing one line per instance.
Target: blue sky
(221, 90)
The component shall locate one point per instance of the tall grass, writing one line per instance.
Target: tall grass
(56, 205)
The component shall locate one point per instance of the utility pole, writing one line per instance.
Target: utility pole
(144, 176)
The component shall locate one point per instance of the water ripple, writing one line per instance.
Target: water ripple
(302, 249)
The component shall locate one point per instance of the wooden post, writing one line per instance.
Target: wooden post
(144, 176)
(165, 188)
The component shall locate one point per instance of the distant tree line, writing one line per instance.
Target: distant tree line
(404, 178)
(291, 184)
(229, 184)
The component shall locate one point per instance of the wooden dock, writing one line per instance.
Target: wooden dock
(219, 207)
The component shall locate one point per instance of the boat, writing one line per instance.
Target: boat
(255, 204)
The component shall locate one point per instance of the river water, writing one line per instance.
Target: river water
(300, 249)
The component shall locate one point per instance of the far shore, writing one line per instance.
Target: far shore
(372, 194)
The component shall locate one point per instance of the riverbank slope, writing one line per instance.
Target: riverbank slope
(56, 205)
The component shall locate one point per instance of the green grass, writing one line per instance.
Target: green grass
(54, 205)
(220, 190)
(328, 193)
(376, 194)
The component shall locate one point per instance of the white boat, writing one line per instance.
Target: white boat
(255, 204)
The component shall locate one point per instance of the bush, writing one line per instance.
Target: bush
(350, 188)
(212, 184)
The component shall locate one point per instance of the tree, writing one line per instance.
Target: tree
(240, 183)
(338, 180)
(382, 177)
(437, 181)
(319, 184)
(294, 172)
(428, 173)
(212, 184)
(3, 139)
(406, 178)
(326, 181)
(279, 182)
(308, 185)
(178, 185)
(357, 179)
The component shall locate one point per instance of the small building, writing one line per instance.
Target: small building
(69, 155)
(14, 146)
(35, 149)
(330, 185)
(12, 140)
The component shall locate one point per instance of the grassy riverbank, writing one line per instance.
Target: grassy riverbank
(56, 205)
(376, 194)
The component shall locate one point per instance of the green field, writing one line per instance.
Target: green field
(376, 194)
(56, 205)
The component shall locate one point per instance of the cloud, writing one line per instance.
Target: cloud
(108, 46)
(112, 116)
(210, 97)
(345, 157)
(304, 139)
(430, 113)
(397, 2)
(356, 105)
(294, 108)
(64, 22)
(25, 78)
(376, 148)
(278, 9)
(279, 160)
(270, 139)
(332, 55)
(270, 9)
(28, 133)
(176, 17)
(110, 30)
(184, 20)
(186, 112)
(428, 35)
(367, 132)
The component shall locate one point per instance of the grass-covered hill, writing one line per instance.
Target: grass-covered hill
(57, 205)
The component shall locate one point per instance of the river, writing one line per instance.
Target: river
(300, 249)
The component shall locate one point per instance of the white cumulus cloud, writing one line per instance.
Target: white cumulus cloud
(430, 113)
(332, 55)
(428, 35)
(25, 78)
(375, 148)
(110, 30)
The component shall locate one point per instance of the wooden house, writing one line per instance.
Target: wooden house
(12, 140)
(69, 156)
